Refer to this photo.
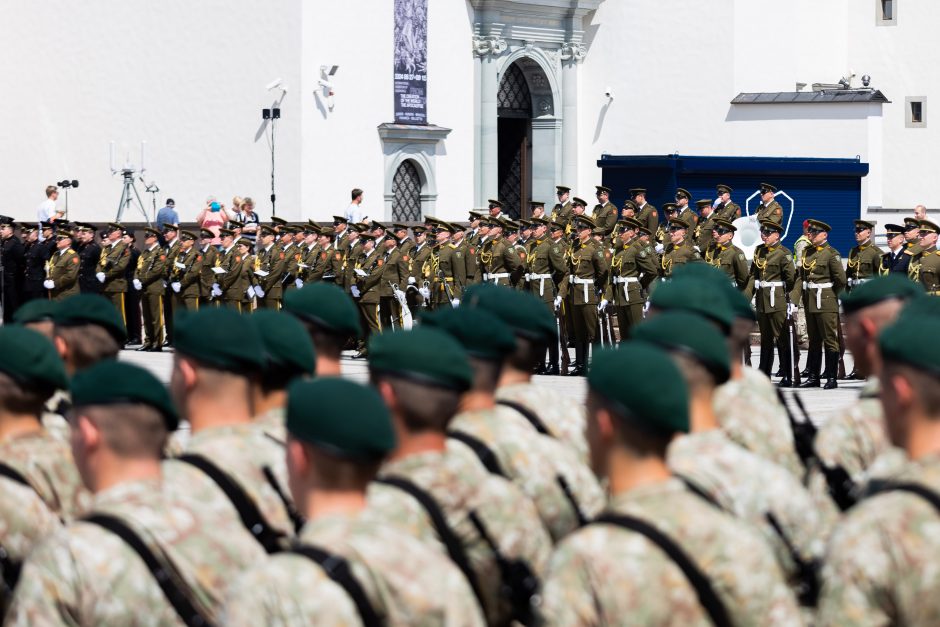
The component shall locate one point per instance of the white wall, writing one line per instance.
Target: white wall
(188, 77)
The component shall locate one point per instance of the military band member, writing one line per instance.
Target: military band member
(88, 252)
(207, 278)
(185, 274)
(392, 273)
(727, 257)
(545, 266)
(498, 260)
(605, 212)
(897, 259)
(726, 209)
(912, 235)
(63, 268)
(774, 277)
(821, 279)
(588, 267)
(448, 266)
(683, 198)
(293, 255)
(405, 244)
(245, 248)
(112, 264)
(365, 290)
(678, 251)
(927, 261)
(537, 209)
(350, 255)
(646, 214)
(632, 269)
(769, 209)
(670, 211)
(419, 272)
(172, 244)
(704, 234)
(149, 281)
(562, 210)
(36, 255)
(270, 266)
(230, 286)
(864, 258)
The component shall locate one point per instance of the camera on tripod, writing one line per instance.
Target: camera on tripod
(67, 184)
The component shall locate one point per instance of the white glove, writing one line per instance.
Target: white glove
(411, 280)
(250, 292)
(361, 272)
(100, 277)
(138, 285)
(354, 290)
(791, 309)
(557, 302)
(425, 292)
(176, 286)
(299, 283)
(259, 292)
(659, 248)
(455, 303)
(603, 305)
(48, 284)
(216, 290)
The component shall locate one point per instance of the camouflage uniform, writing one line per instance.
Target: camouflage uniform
(272, 424)
(562, 416)
(751, 415)
(881, 567)
(605, 575)
(534, 463)
(86, 575)
(460, 488)
(405, 582)
(753, 489)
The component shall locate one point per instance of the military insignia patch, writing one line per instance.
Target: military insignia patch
(282, 255)
(323, 256)
(472, 251)
(238, 259)
(74, 259)
(643, 254)
(380, 262)
(339, 256)
(741, 256)
(556, 250)
(162, 257)
(198, 257)
(405, 257)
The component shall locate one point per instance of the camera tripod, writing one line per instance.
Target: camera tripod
(127, 199)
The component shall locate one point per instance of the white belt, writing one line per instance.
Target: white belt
(819, 287)
(495, 277)
(584, 283)
(772, 285)
(626, 280)
(855, 282)
(541, 278)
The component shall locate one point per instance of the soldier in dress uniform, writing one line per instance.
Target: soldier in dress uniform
(11, 268)
(449, 267)
(207, 278)
(63, 268)
(185, 274)
(545, 266)
(912, 235)
(132, 295)
(895, 261)
(927, 262)
(679, 250)
(88, 254)
(632, 269)
(726, 209)
(231, 283)
(112, 264)
(670, 211)
(605, 213)
(148, 281)
(562, 210)
(727, 257)
(36, 255)
(588, 271)
(769, 208)
(774, 277)
(392, 273)
(270, 266)
(683, 198)
(537, 209)
(703, 235)
(821, 278)
(419, 275)
(405, 244)
(646, 214)
(628, 210)
(864, 258)
(498, 260)
(367, 296)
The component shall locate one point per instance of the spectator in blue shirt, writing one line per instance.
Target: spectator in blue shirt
(167, 215)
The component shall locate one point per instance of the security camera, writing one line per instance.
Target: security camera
(326, 85)
(329, 70)
(274, 84)
(609, 93)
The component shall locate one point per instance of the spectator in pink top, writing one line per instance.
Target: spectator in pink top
(213, 217)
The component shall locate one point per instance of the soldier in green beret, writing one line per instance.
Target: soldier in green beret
(62, 268)
(110, 567)
(331, 320)
(927, 262)
(599, 573)
(87, 330)
(349, 565)
(773, 278)
(821, 278)
(148, 280)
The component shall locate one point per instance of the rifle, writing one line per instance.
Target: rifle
(562, 337)
(793, 347)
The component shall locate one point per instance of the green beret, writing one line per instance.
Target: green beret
(220, 338)
(740, 305)
(690, 334)
(694, 295)
(483, 335)
(30, 359)
(878, 289)
(525, 314)
(288, 350)
(36, 310)
(344, 418)
(913, 340)
(110, 382)
(661, 407)
(90, 309)
(923, 305)
(326, 306)
(424, 354)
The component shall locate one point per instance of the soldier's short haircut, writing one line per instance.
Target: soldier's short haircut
(15, 398)
(527, 356)
(423, 407)
(640, 442)
(739, 337)
(356, 193)
(87, 344)
(926, 385)
(697, 377)
(327, 344)
(339, 473)
(129, 430)
(485, 374)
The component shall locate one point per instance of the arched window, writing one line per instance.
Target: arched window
(406, 188)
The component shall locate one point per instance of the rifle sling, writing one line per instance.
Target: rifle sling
(528, 414)
(337, 569)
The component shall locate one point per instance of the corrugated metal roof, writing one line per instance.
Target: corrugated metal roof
(810, 97)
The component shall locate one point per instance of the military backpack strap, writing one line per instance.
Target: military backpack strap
(337, 569)
(486, 455)
(879, 487)
(9, 568)
(528, 414)
(248, 512)
(703, 589)
(444, 532)
(175, 593)
(13, 474)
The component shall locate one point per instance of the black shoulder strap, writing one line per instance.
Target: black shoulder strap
(486, 455)
(177, 597)
(878, 487)
(528, 414)
(337, 569)
(444, 532)
(703, 588)
(251, 517)
(13, 474)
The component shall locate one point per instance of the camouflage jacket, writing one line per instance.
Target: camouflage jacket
(564, 417)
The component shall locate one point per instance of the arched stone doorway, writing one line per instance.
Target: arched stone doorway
(524, 104)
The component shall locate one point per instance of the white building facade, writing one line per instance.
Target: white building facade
(521, 95)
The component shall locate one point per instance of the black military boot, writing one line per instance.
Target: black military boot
(786, 381)
(832, 367)
(552, 370)
(812, 366)
(809, 360)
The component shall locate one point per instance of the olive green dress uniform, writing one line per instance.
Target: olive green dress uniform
(864, 260)
(731, 261)
(420, 270)
(210, 255)
(293, 256)
(771, 211)
(605, 216)
(632, 269)
(703, 236)
(151, 270)
(588, 269)
(562, 212)
(368, 303)
(64, 266)
(273, 261)
(451, 262)
(926, 263)
(729, 211)
(189, 278)
(113, 262)
(674, 256)
(821, 279)
(774, 276)
(233, 283)
(648, 216)
(498, 260)
(393, 271)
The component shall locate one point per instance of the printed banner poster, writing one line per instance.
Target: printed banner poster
(411, 61)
